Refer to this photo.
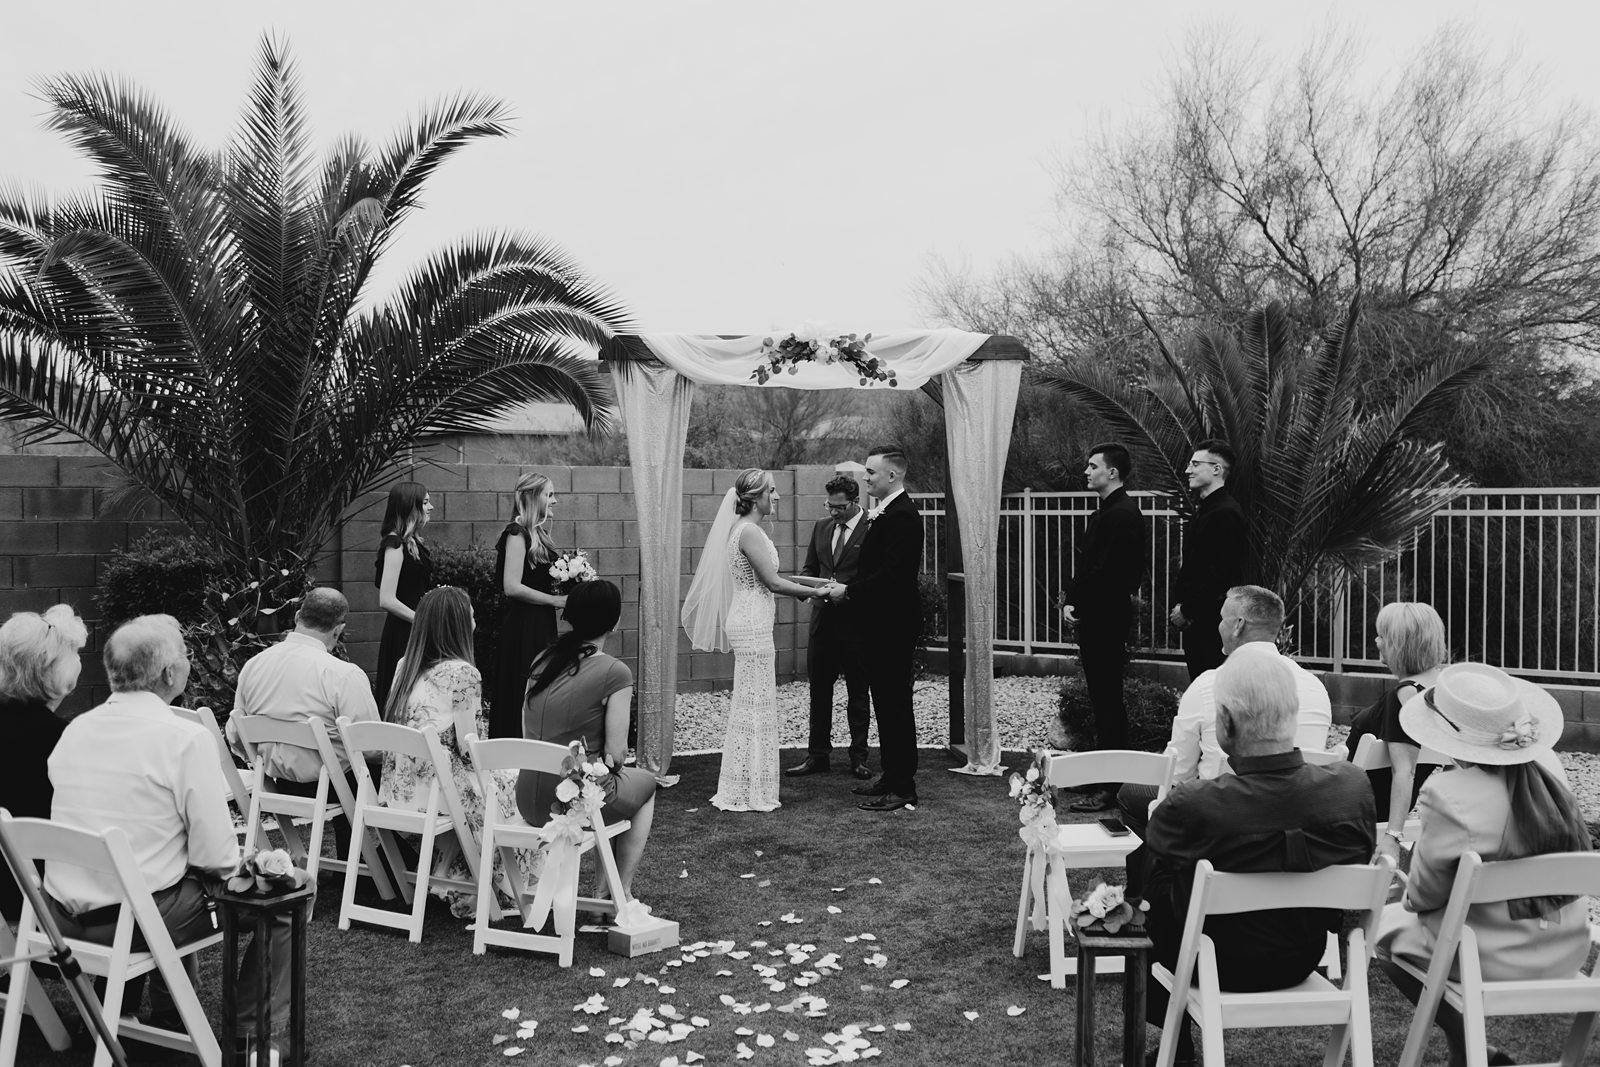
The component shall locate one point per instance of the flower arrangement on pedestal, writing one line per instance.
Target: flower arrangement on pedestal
(807, 345)
(570, 568)
(1108, 911)
(266, 874)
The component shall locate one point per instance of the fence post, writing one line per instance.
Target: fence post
(1341, 597)
(1027, 571)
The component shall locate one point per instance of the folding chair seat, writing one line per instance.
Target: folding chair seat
(1557, 874)
(310, 733)
(107, 853)
(1193, 983)
(1087, 844)
(442, 816)
(238, 784)
(516, 754)
(1373, 755)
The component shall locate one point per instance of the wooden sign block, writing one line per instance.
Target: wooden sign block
(660, 934)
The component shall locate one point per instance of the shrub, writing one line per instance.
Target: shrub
(160, 574)
(1150, 705)
(471, 567)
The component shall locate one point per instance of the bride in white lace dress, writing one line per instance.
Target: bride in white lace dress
(730, 605)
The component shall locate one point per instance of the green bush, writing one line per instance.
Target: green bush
(1150, 705)
(471, 567)
(160, 574)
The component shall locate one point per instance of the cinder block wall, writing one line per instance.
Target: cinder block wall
(58, 523)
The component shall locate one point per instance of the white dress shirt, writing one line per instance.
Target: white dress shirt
(1194, 747)
(298, 678)
(842, 532)
(131, 763)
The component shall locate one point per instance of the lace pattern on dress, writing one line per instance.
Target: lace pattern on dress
(749, 776)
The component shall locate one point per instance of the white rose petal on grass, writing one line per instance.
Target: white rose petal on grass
(724, 974)
(618, 983)
(684, 873)
(511, 1013)
(614, 1038)
(970, 1015)
(766, 1040)
(878, 1029)
(869, 937)
(759, 853)
(763, 883)
(902, 1026)
(744, 1051)
(838, 889)
(692, 1057)
(764, 922)
(874, 881)
(1015, 1010)
(597, 972)
(750, 875)
(581, 1028)
(699, 1020)
(835, 911)
(512, 1050)
(500, 1039)
(899, 983)
(613, 1061)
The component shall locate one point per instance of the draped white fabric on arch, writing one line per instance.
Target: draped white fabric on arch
(980, 401)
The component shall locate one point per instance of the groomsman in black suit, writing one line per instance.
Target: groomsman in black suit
(1216, 547)
(885, 593)
(837, 644)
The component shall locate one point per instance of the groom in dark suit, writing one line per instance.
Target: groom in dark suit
(885, 593)
(837, 645)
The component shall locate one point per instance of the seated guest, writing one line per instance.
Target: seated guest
(436, 684)
(1275, 812)
(1506, 798)
(300, 678)
(39, 666)
(1252, 618)
(1412, 643)
(577, 692)
(132, 764)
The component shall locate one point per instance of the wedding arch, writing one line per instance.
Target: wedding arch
(655, 376)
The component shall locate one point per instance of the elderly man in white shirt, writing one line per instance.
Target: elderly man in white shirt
(300, 677)
(1252, 617)
(131, 763)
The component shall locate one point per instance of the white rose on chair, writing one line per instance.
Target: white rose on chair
(567, 790)
(1103, 900)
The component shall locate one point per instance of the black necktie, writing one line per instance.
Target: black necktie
(841, 534)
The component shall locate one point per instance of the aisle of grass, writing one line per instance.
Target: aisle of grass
(941, 912)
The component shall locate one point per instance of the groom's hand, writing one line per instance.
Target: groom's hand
(835, 592)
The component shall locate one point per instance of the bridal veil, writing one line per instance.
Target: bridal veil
(705, 607)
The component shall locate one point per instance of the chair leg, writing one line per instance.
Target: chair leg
(403, 880)
(1020, 941)
(358, 835)
(480, 919)
(191, 1012)
(20, 988)
(419, 901)
(314, 850)
(374, 865)
(1578, 1039)
(1473, 1026)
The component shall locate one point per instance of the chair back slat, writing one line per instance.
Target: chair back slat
(1069, 769)
(517, 754)
(1557, 874)
(265, 730)
(1324, 756)
(1345, 887)
(54, 842)
(379, 737)
(1372, 754)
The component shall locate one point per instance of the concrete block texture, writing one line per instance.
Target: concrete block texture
(29, 470)
(57, 502)
(596, 480)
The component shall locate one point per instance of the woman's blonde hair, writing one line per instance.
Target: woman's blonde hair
(748, 486)
(531, 488)
(30, 647)
(1413, 638)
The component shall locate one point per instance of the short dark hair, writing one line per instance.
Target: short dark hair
(891, 453)
(1259, 606)
(322, 609)
(1116, 458)
(1219, 448)
(844, 485)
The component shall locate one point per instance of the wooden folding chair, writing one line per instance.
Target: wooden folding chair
(516, 754)
(442, 815)
(1314, 1002)
(238, 785)
(107, 853)
(1088, 844)
(1558, 874)
(310, 734)
(1372, 754)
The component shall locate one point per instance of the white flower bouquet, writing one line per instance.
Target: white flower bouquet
(265, 874)
(1033, 793)
(808, 345)
(1108, 910)
(586, 784)
(570, 568)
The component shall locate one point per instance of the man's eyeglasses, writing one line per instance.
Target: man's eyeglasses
(837, 507)
(1193, 463)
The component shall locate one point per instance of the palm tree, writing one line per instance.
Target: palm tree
(204, 318)
(1326, 483)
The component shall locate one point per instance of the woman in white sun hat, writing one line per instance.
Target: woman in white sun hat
(1506, 798)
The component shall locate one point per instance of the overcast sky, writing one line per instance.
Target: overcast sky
(723, 166)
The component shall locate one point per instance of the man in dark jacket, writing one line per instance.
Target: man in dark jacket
(1215, 552)
(1099, 599)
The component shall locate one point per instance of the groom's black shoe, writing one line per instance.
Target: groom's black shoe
(888, 802)
(871, 789)
(812, 765)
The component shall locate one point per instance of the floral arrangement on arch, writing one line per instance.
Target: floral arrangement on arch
(1108, 910)
(808, 345)
(570, 568)
(1032, 791)
(266, 874)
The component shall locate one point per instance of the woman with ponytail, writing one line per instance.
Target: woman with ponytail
(528, 620)
(578, 692)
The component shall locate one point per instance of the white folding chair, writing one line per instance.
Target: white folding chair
(238, 785)
(1558, 875)
(107, 853)
(516, 754)
(442, 816)
(35, 1002)
(1372, 754)
(1325, 756)
(1193, 982)
(1088, 844)
(310, 734)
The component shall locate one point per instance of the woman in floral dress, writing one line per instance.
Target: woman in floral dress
(437, 685)
(731, 605)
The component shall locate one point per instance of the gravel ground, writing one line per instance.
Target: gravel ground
(1023, 706)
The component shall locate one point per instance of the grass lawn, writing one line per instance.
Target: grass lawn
(936, 889)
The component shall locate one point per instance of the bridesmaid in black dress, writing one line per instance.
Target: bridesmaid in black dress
(402, 573)
(528, 620)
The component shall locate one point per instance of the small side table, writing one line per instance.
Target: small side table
(1134, 976)
(259, 913)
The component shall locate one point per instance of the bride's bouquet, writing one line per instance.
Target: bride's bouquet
(570, 568)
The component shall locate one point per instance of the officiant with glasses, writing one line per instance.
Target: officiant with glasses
(837, 642)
